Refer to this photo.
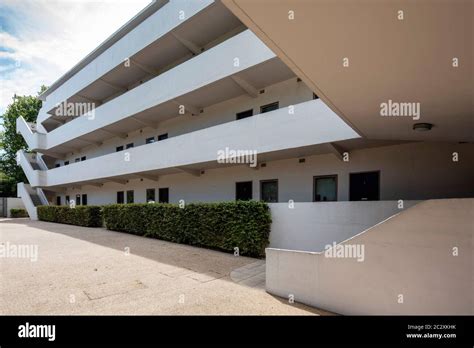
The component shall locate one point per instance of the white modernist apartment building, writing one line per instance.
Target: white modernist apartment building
(188, 101)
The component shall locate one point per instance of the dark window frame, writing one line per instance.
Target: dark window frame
(58, 200)
(84, 198)
(132, 195)
(162, 137)
(83, 158)
(325, 177)
(122, 194)
(251, 189)
(150, 140)
(243, 114)
(78, 200)
(277, 190)
(66, 163)
(154, 194)
(266, 106)
(363, 172)
(129, 146)
(119, 148)
(160, 200)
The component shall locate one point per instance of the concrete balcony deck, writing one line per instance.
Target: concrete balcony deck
(273, 134)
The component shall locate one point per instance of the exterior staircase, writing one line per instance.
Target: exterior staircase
(31, 194)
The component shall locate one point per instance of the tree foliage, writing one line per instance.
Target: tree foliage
(11, 142)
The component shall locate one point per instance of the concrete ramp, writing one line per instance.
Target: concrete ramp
(419, 261)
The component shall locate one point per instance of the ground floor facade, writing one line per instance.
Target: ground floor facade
(410, 171)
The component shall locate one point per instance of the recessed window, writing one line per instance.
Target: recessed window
(164, 195)
(244, 114)
(162, 136)
(269, 107)
(150, 195)
(83, 158)
(269, 191)
(119, 148)
(325, 188)
(243, 191)
(120, 197)
(57, 165)
(364, 186)
(67, 200)
(66, 163)
(128, 146)
(77, 160)
(130, 196)
(84, 199)
(78, 199)
(58, 200)
(150, 140)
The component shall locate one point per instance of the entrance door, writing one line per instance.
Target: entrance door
(364, 186)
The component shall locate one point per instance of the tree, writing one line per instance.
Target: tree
(11, 142)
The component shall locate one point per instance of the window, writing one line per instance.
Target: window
(120, 197)
(119, 148)
(243, 191)
(244, 114)
(83, 158)
(150, 140)
(269, 107)
(57, 165)
(128, 146)
(78, 199)
(325, 188)
(67, 200)
(164, 195)
(162, 136)
(84, 199)
(150, 195)
(77, 160)
(130, 196)
(269, 191)
(58, 200)
(364, 186)
(66, 163)
(315, 96)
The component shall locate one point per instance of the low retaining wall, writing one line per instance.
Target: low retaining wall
(417, 262)
(311, 226)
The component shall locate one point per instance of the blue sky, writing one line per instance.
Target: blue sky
(41, 39)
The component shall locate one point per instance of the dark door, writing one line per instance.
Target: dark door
(364, 186)
(243, 191)
(164, 195)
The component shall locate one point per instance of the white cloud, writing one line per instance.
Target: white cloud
(41, 40)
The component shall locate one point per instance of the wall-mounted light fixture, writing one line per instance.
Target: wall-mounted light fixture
(422, 127)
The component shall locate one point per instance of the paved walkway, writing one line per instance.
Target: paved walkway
(94, 271)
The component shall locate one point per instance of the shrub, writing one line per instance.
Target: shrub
(89, 216)
(223, 226)
(18, 213)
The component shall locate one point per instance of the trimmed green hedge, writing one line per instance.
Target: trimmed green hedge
(18, 213)
(223, 226)
(89, 215)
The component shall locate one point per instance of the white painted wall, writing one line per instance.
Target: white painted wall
(410, 254)
(409, 172)
(14, 203)
(312, 226)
